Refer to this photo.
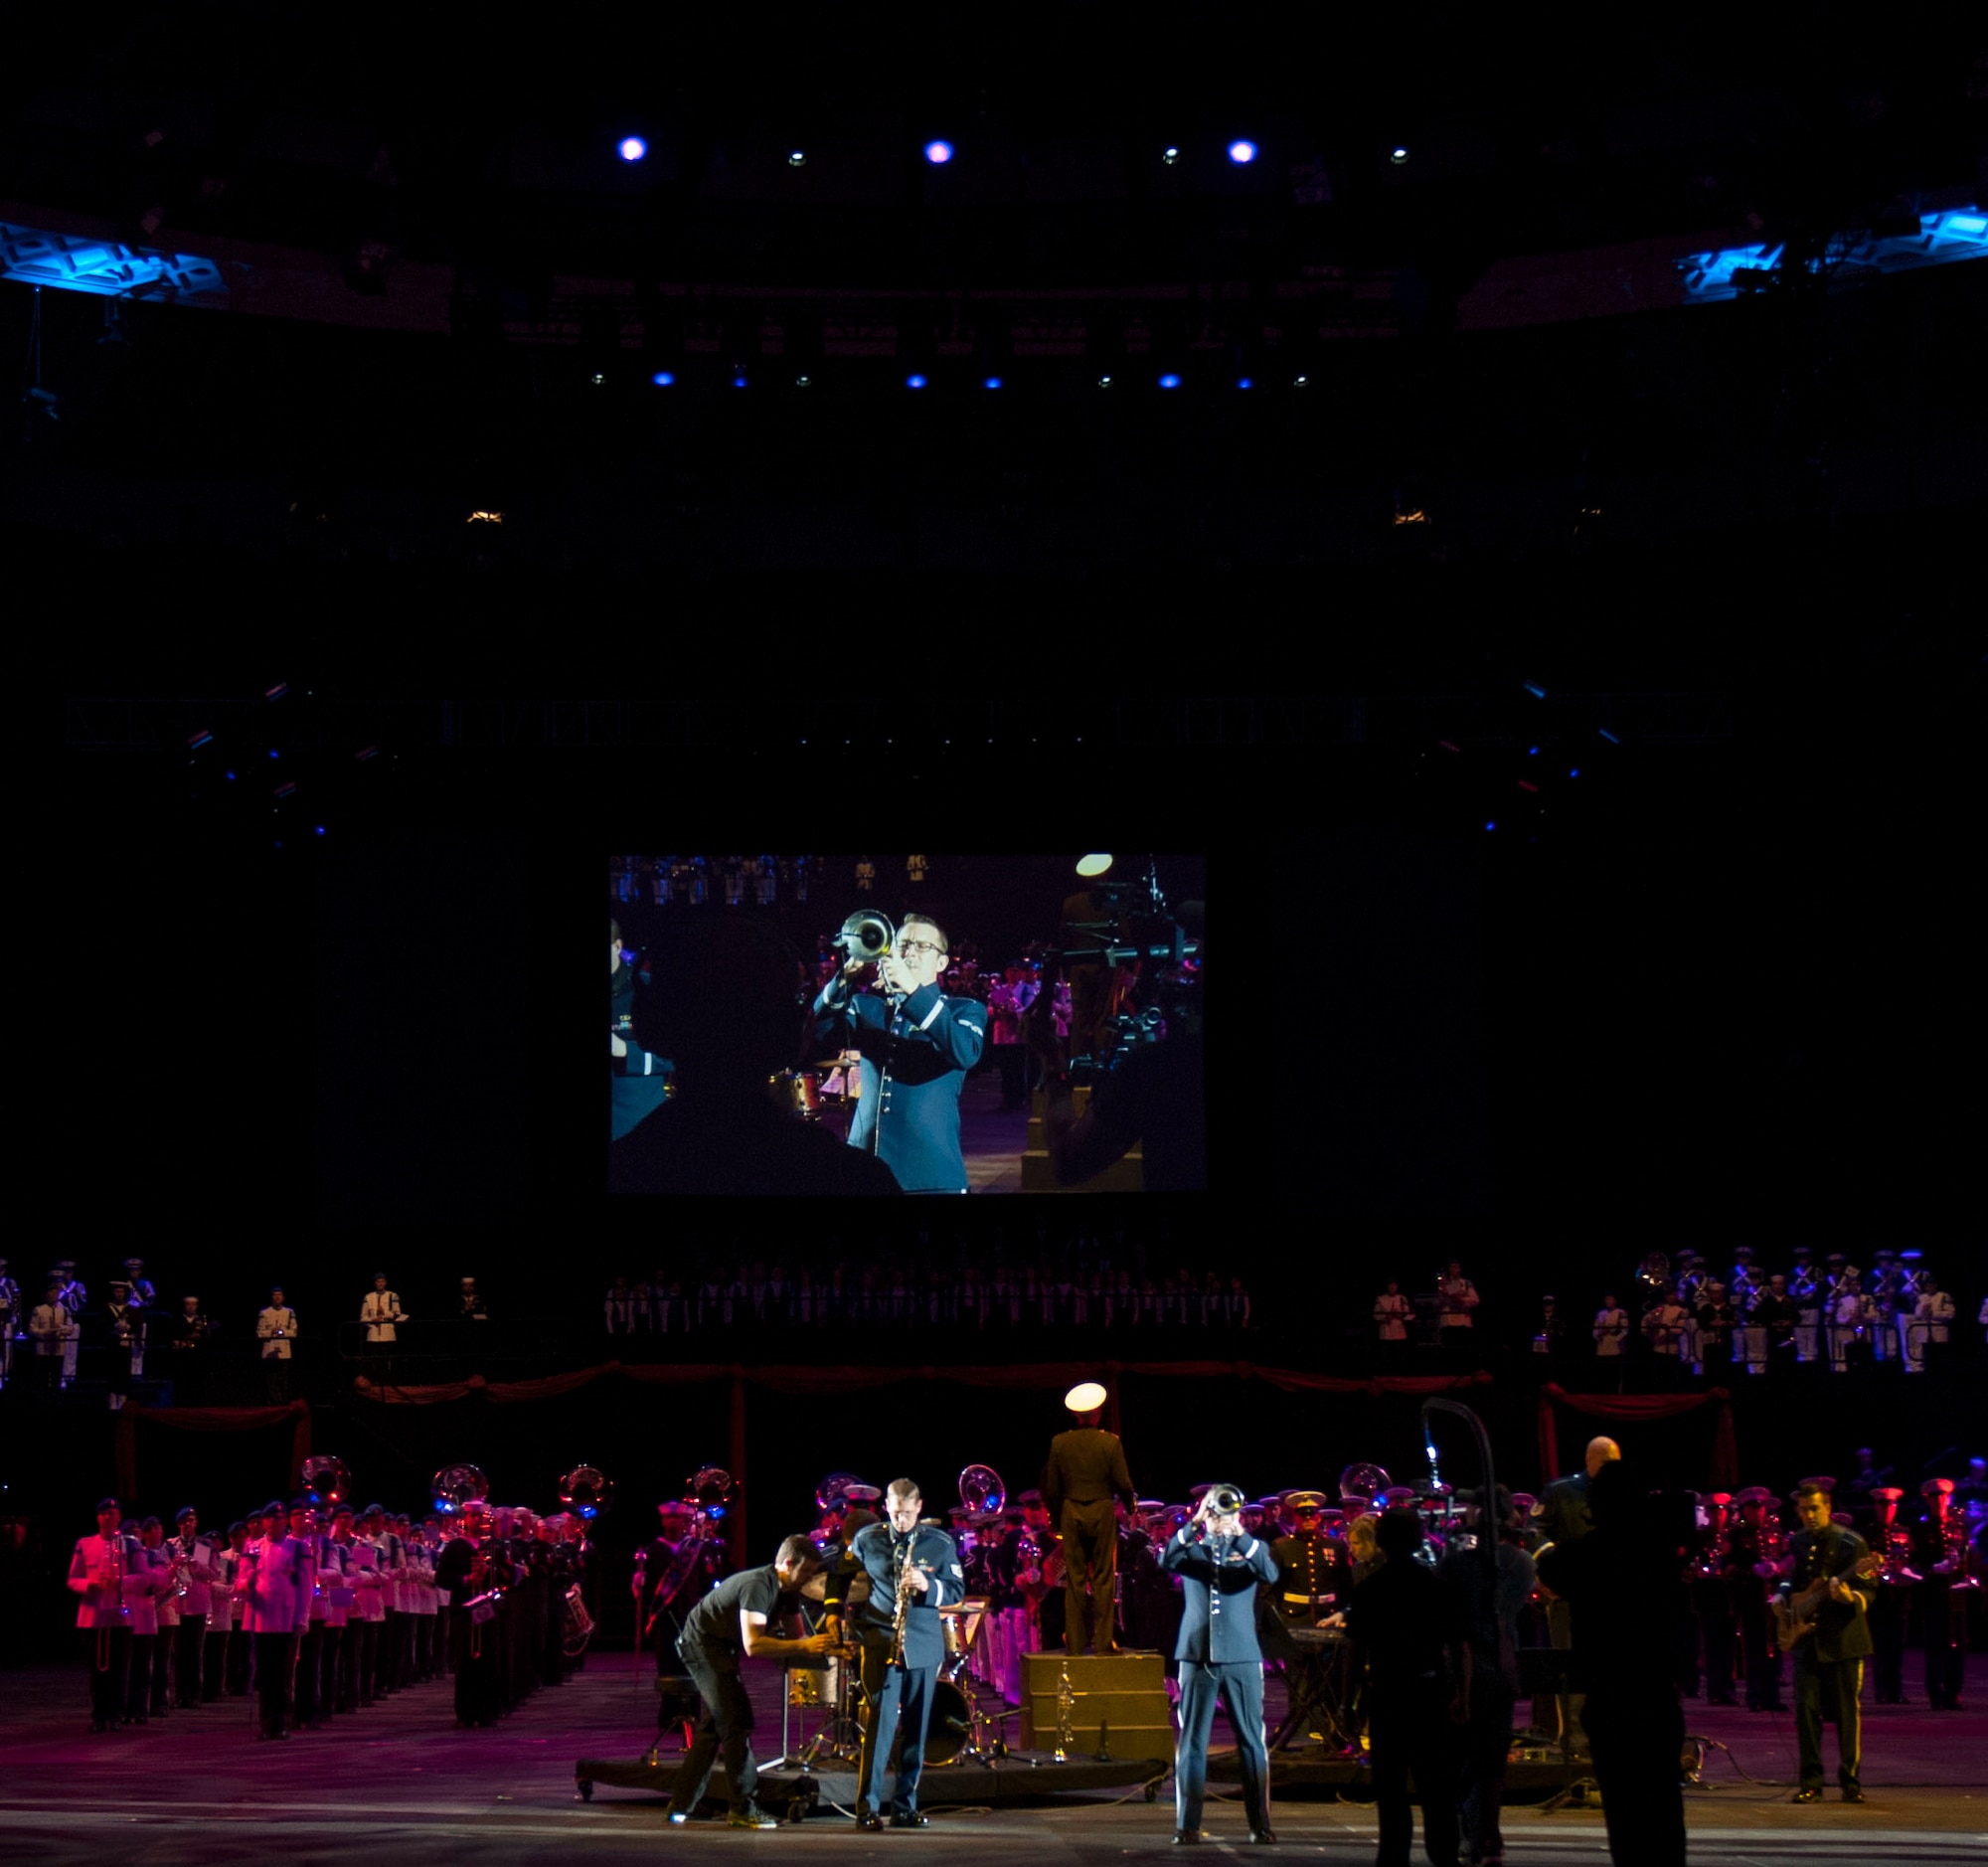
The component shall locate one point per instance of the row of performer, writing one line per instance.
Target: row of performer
(315, 1608)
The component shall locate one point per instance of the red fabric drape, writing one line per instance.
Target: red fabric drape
(1725, 1442)
(208, 1420)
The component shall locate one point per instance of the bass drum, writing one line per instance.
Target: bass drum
(946, 1734)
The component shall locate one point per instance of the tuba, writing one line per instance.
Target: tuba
(587, 1491)
(984, 1494)
(455, 1487)
(711, 1491)
(1361, 1484)
(326, 1481)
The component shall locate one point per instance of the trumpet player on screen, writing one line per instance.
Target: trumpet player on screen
(916, 1046)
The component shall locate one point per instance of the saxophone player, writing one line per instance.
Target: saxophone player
(913, 1570)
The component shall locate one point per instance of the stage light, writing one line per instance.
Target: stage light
(1243, 382)
(320, 829)
(1170, 381)
(938, 152)
(738, 381)
(1608, 736)
(1298, 382)
(1240, 151)
(275, 753)
(914, 382)
(1536, 690)
(1397, 156)
(662, 378)
(993, 381)
(1095, 865)
(1575, 772)
(1532, 751)
(1104, 381)
(633, 148)
(231, 777)
(1170, 155)
(598, 379)
(802, 382)
(796, 158)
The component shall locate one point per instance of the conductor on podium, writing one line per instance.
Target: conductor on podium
(1085, 1473)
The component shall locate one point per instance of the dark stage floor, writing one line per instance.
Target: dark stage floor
(398, 1782)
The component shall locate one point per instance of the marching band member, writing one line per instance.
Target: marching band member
(1085, 1471)
(1829, 1660)
(276, 1329)
(1751, 1564)
(74, 1297)
(152, 1539)
(1850, 1315)
(127, 1343)
(1944, 1561)
(275, 1584)
(913, 1570)
(53, 1330)
(10, 1321)
(1665, 1325)
(1220, 1659)
(196, 1564)
(369, 1607)
(382, 1314)
(1805, 1290)
(143, 1294)
(191, 1332)
(1611, 1328)
(673, 1573)
(1930, 1324)
(1886, 1289)
(351, 1628)
(331, 1598)
(1892, 1541)
(144, 1583)
(96, 1573)
(1776, 1318)
(728, 1623)
(1311, 1567)
(1392, 1311)
(230, 1668)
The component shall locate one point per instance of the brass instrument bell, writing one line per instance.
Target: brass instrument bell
(587, 1490)
(983, 1494)
(456, 1487)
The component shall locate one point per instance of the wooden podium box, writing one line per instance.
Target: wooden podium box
(1125, 1691)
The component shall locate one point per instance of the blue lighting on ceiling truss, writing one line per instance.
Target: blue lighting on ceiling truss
(107, 267)
(1956, 234)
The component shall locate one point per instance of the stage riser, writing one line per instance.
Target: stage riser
(1120, 1702)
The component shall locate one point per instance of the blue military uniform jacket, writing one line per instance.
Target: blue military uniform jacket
(1219, 1577)
(636, 1081)
(913, 1066)
(873, 1552)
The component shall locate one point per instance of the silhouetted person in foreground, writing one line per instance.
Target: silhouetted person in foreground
(728, 1010)
(1618, 1580)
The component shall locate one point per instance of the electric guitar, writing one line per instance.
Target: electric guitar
(1797, 1617)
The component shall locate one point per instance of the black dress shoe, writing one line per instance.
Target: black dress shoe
(912, 1821)
(1262, 1837)
(1853, 1794)
(869, 1822)
(1184, 1837)
(1807, 1795)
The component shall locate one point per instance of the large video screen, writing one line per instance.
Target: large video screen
(884, 1024)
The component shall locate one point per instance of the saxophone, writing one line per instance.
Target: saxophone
(902, 1616)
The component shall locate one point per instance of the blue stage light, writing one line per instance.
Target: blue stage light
(738, 381)
(633, 148)
(662, 378)
(231, 777)
(993, 381)
(1536, 690)
(1170, 381)
(914, 382)
(1243, 382)
(275, 753)
(1532, 751)
(1608, 736)
(320, 829)
(1492, 825)
(1240, 151)
(937, 152)
(1575, 772)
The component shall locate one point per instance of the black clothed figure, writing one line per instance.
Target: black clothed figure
(1748, 1595)
(475, 1647)
(676, 1574)
(1943, 1612)
(107, 1652)
(1491, 1617)
(1632, 1715)
(710, 1649)
(1713, 1606)
(1409, 1638)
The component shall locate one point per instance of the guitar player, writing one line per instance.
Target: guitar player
(1829, 1658)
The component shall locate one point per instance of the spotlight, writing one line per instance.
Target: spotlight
(801, 381)
(1104, 381)
(1240, 151)
(633, 148)
(1243, 382)
(914, 382)
(662, 378)
(738, 381)
(1170, 381)
(1397, 155)
(937, 152)
(1170, 155)
(1298, 382)
(796, 158)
